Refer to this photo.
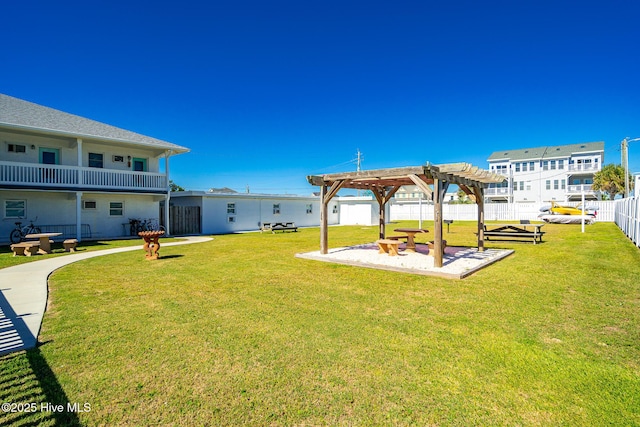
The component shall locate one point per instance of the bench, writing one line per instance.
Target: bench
(25, 248)
(431, 246)
(529, 235)
(399, 237)
(70, 245)
(388, 246)
(283, 226)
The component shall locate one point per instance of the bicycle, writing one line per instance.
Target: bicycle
(18, 234)
(152, 224)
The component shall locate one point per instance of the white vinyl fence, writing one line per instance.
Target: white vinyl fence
(492, 211)
(627, 217)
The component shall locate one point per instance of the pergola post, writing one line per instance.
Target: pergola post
(324, 234)
(437, 222)
(479, 193)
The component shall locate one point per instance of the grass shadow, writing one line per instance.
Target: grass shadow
(41, 400)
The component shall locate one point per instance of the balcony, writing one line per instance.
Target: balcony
(584, 167)
(29, 175)
(501, 191)
(578, 189)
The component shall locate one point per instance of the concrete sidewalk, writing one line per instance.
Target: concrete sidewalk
(24, 291)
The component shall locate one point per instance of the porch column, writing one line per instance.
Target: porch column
(167, 155)
(79, 152)
(79, 215)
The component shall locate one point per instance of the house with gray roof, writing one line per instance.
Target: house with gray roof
(77, 176)
(559, 173)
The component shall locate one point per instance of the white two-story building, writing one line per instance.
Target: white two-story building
(77, 176)
(559, 173)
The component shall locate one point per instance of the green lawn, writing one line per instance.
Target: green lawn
(237, 331)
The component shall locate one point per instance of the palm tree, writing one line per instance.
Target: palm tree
(610, 179)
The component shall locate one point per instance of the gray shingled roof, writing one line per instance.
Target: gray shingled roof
(19, 114)
(547, 152)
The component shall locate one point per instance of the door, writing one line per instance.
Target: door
(139, 165)
(49, 156)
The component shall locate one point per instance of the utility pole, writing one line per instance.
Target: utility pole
(624, 149)
(358, 165)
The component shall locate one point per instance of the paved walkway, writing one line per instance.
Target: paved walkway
(24, 290)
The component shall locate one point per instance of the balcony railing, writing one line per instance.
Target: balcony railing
(501, 191)
(584, 167)
(31, 175)
(576, 189)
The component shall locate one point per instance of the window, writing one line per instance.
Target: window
(521, 185)
(309, 208)
(517, 167)
(553, 165)
(560, 164)
(16, 148)
(531, 167)
(524, 167)
(116, 208)
(95, 160)
(545, 165)
(89, 204)
(548, 185)
(563, 184)
(555, 184)
(335, 209)
(15, 208)
(231, 219)
(276, 208)
(231, 208)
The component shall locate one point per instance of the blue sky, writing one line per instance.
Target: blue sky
(265, 93)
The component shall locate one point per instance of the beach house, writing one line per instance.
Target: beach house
(561, 173)
(77, 176)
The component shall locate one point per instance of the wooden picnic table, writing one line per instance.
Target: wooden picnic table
(45, 244)
(410, 232)
(514, 231)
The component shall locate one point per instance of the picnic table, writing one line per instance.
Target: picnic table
(410, 235)
(514, 231)
(45, 243)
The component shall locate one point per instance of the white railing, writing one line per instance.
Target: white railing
(590, 167)
(580, 188)
(31, 175)
(500, 191)
(627, 217)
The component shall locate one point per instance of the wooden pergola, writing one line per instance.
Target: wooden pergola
(432, 180)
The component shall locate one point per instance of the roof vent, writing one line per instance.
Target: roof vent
(557, 149)
(583, 146)
(526, 151)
